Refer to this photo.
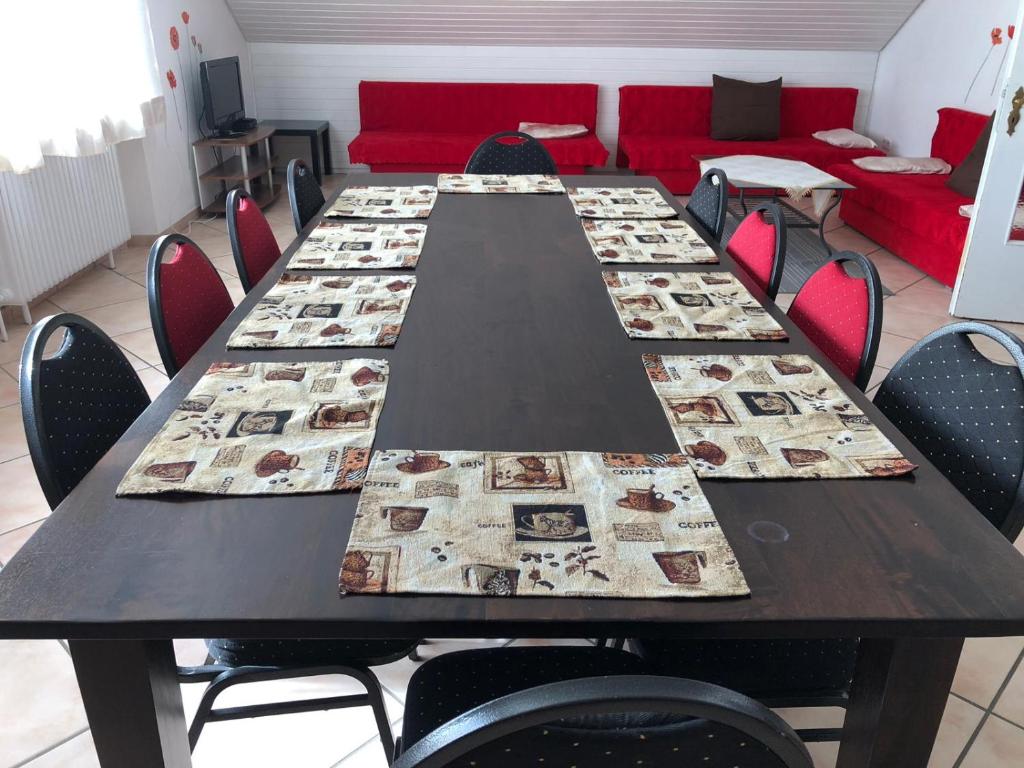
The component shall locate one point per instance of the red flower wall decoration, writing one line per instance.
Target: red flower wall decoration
(997, 36)
(184, 17)
(175, 41)
(171, 79)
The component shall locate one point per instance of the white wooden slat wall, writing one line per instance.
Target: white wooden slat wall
(301, 81)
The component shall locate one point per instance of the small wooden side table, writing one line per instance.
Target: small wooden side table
(255, 172)
(318, 133)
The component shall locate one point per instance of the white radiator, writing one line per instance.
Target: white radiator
(56, 220)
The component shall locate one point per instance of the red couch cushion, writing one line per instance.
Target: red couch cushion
(922, 204)
(442, 123)
(956, 134)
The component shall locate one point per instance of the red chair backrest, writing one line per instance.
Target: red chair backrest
(842, 315)
(188, 301)
(956, 133)
(253, 242)
(755, 246)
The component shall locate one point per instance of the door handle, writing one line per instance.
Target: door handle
(1015, 107)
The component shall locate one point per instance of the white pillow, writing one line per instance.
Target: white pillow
(917, 165)
(552, 131)
(844, 137)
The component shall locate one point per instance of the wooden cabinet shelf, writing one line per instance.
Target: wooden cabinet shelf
(256, 177)
(231, 169)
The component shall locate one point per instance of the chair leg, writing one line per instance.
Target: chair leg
(380, 713)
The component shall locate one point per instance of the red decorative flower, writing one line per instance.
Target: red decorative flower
(175, 41)
(185, 17)
(1010, 30)
(171, 79)
(997, 36)
(193, 41)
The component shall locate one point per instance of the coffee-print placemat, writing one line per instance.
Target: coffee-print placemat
(536, 525)
(266, 428)
(647, 242)
(765, 416)
(477, 183)
(689, 305)
(327, 311)
(361, 246)
(362, 202)
(620, 203)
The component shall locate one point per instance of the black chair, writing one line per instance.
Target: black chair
(924, 395)
(511, 152)
(709, 200)
(304, 194)
(514, 707)
(76, 404)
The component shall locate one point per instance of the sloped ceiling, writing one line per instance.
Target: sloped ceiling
(864, 25)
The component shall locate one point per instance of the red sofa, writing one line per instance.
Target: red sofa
(434, 127)
(661, 128)
(916, 217)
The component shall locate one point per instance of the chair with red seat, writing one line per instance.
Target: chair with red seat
(842, 314)
(759, 246)
(252, 240)
(187, 299)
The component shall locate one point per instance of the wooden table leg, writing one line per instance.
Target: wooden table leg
(133, 701)
(899, 693)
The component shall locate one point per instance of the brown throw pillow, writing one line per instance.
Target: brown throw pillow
(742, 110)
(965, 177)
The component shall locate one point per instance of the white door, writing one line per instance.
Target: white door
(990, 285)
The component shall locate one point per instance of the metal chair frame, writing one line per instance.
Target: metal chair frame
(300, 173)
(488, 145)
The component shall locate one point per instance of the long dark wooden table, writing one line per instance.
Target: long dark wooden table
(511, 343)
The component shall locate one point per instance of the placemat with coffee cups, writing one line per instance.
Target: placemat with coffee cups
(362, 202)
(620, 203)
(765, 416)
(478, 183)
(313, 311)
(266, 428)
(689, 305)
(647, 242)
(536, 525)
(361, 246)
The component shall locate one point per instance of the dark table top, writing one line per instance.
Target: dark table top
(511, 343)
(286, 127)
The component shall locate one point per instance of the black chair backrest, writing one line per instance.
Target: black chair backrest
(496, 154)
(965, 413)
(304, 195)
(76, 403)
(531, 728)
(709, 201)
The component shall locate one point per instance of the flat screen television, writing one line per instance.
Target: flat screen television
(222, 93)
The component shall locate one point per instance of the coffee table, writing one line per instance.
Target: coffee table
(795, 218)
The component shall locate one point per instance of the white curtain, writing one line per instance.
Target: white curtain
(75, 77)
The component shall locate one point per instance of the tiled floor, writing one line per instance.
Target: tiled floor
(42, 724)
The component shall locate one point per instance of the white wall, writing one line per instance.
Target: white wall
(319, 81)
(157, 171)
(929, 64)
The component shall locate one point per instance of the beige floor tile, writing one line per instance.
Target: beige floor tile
(958, 723)
(96, 287)
(999, 745)
(17, 331)
(891, 348)
(11, 542)
(849, 239)
(984, 664)
(190, 652)
(395, 676)
(39, 700)
(12, 434)
(813, 717)
(117, 319)
(904, 318)
(992, 349)
(895, 273)
(824, 753)
(1011, 703)
(142, 344)
(154, 381)
(932, 290)
(78, 752)
(877, 376)
(8, 388)
(318, 738)
(234, 286)
(23, 499)
(225, 264)
(370, 755)
(926, 301)
(784, 300)
(131, 259)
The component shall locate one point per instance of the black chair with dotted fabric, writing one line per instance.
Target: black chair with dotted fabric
(511, 152)
(709, 202)
(76, 404)
(304, 194)
(578, 706)
(965, 413)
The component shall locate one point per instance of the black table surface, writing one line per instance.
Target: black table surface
(510, 343)
(284, 127)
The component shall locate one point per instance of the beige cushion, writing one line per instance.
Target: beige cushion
(552, 131)
(844, 137)
(903, 164)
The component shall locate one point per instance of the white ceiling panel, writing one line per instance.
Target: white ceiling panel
(864, 25)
